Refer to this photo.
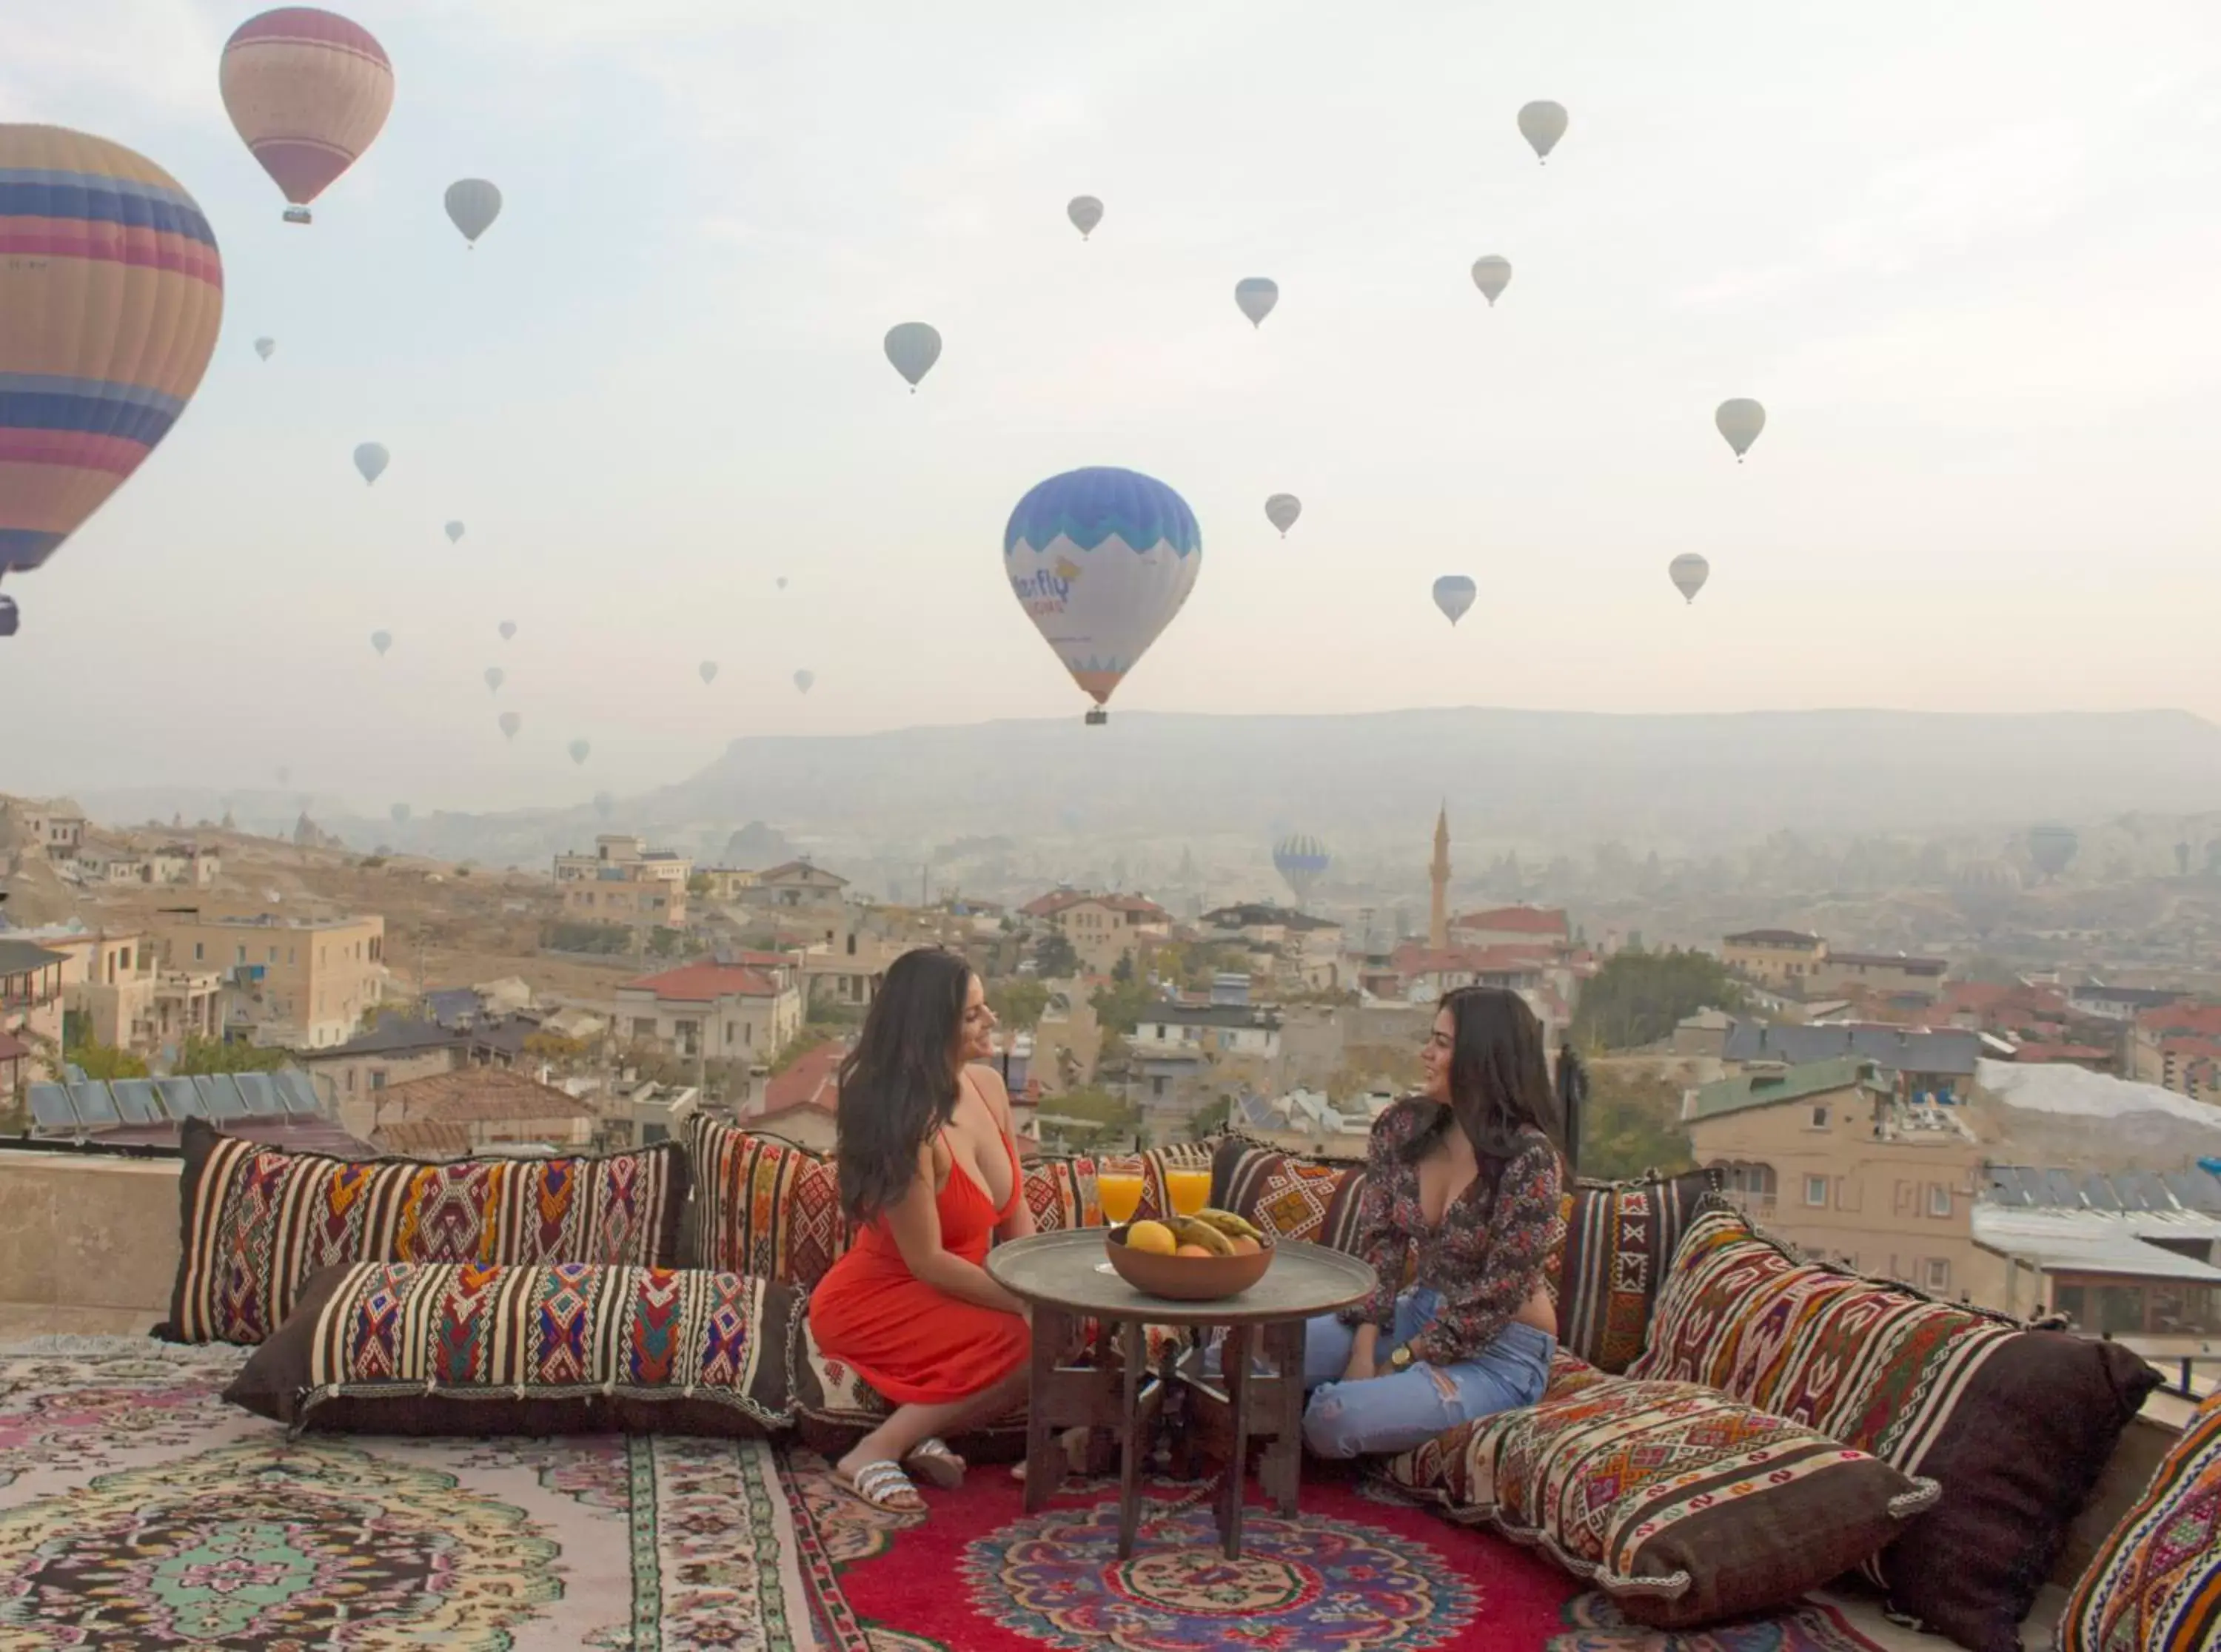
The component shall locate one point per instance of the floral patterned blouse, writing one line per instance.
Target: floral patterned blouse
(1484, 1257)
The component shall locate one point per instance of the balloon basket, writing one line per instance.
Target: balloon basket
(1096, 717)
(9, 618)
(296, 214)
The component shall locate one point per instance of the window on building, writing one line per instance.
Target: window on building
(198, 955)
(1816, 1191)
(241, 952)
(289, 955)
(1820, 1116)
(378, 1078)
(1938, 1273)
(651, 1134)
(1939, 1200)
(350, 1075)
(273, 955)
(748, 1033)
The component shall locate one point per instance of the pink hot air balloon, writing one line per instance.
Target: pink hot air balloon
(309, 91)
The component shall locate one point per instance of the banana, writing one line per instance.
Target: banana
(1233, 1226)
(1189, 1230)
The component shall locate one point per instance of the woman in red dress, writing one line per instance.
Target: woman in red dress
(928, 1174)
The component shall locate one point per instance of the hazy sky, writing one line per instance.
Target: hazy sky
(1963, 253)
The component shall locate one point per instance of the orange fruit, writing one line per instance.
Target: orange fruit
(1244, 1246)
(1153, 1238)
(1191, 1250)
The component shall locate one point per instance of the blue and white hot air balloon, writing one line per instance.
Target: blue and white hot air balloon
(1101, 559)
(1453, 595)
(1302, 860)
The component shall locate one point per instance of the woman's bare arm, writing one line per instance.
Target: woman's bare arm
(914, 1220)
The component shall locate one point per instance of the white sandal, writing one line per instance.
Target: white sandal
(878, 1484)
(931, 1461)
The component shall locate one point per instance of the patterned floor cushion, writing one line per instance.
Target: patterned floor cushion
(401, 1348)
(256, 1222)
(2156, 1581)
(1683, 1505)
(2015, 1424)
(767, 1207)
(1619, 1235)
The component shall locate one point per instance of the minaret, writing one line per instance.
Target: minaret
(1438, 921)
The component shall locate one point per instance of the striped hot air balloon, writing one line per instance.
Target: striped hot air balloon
(111, 293)
(308, 91)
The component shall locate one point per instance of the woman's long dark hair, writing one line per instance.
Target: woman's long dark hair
(898, 1084)
(1500, 1079)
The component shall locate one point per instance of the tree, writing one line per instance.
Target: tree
(202, 1055)
(1122, 971)
(1632, 1123)
(1120, 1006)
(1018, 1002)
(104, 1062)
(1209, 1121)
(1054, 956)
(1638, 998)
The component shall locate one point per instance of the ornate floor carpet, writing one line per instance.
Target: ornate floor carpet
(138, 1511)
(1353, 1571)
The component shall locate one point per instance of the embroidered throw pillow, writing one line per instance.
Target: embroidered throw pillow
(2156, 1581)
(257, 1222)
(1620, 1237)
(398, 1348)
(1683, 1505)
(762, 1206)
(2015, 1424)
(1290, 1196)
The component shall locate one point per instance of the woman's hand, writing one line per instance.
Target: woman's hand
(1360, 1367)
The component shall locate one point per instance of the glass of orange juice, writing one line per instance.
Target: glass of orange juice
(1118, 1187)
(1188, 1187)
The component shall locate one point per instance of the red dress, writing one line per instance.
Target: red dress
(914, 1343)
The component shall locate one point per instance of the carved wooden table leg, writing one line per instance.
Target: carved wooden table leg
(1052, 1329)
(1132, 1443)
(1234, 1371)
(1283, 1466)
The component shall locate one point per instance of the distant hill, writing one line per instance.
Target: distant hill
(1694, 782)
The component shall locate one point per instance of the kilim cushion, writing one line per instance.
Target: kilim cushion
(1682, 1504)
(567, 1348)
(2014, 1424)
(2156, 1581)
(257, 1222)
(1290, 1196)
(1619, 1238)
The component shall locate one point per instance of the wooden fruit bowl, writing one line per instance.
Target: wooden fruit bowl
(1185, 1279)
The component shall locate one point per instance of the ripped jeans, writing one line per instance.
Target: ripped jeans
(1401, 1409)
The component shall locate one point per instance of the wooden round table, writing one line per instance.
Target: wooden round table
(1067, 1277)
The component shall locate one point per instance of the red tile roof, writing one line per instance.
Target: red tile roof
(1413, 959)
(13, 1048)
(812, 1081)
(478, 1093)
(1518, 921)
(2075, 1052)
(1048, 905)
(703, 983)
(2203, 1020)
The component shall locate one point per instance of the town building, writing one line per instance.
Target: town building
(1512, 926)
(624, 883)
(797, 883)
(709, 1011)
(1216, 1029)
(1886, 975)
(1102, 929)
(2135, 1253)
(1826, 1156)
(1298, 951)
(31, 991)
(302, 983)
(723, 882)
(1786, 961)
(114, 992)
(2177, 1046)
(57, 829)
(2094, 998)
(1936, 1065)
(800, 1104)
(470, 1110)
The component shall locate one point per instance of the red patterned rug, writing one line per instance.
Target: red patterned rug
(1353, 1572)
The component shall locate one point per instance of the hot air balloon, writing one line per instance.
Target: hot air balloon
(782, 581)
(1301, 861)
(580, 750)
(1740, 420)
(1542, 124)
(371, 460)
(509, 722)
(1281, 511)
(266, 348)
(10, 619)
(1085, 212)
(508, 629)
(1492, 275)
(1255, 297)
(109, 311)
(381, 640)
(309, 91)
(1101, 559)
(604, 805)
(2052, 848)
(454, 532)
(400, 813)
(708, 668)
(1453, 595)
(494, 677)
(1689, 571)
(802, 680)
(472, 205)
(913, 347)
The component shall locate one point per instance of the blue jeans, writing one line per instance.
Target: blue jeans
(1402, 1409)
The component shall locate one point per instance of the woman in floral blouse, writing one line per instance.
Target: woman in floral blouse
(1466, 1175)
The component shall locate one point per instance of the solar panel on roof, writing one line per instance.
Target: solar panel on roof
(2195, 1189)
(2060, 1191)
(96, 1109)
(180, 1099)
(2099, 1194)
(221, 1094)
(135, 1100)
(296, 1091)
(260, 1094)
(51, 1109)
(73, 1073)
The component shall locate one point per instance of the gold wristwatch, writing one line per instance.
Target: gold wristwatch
(1400, 1357)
